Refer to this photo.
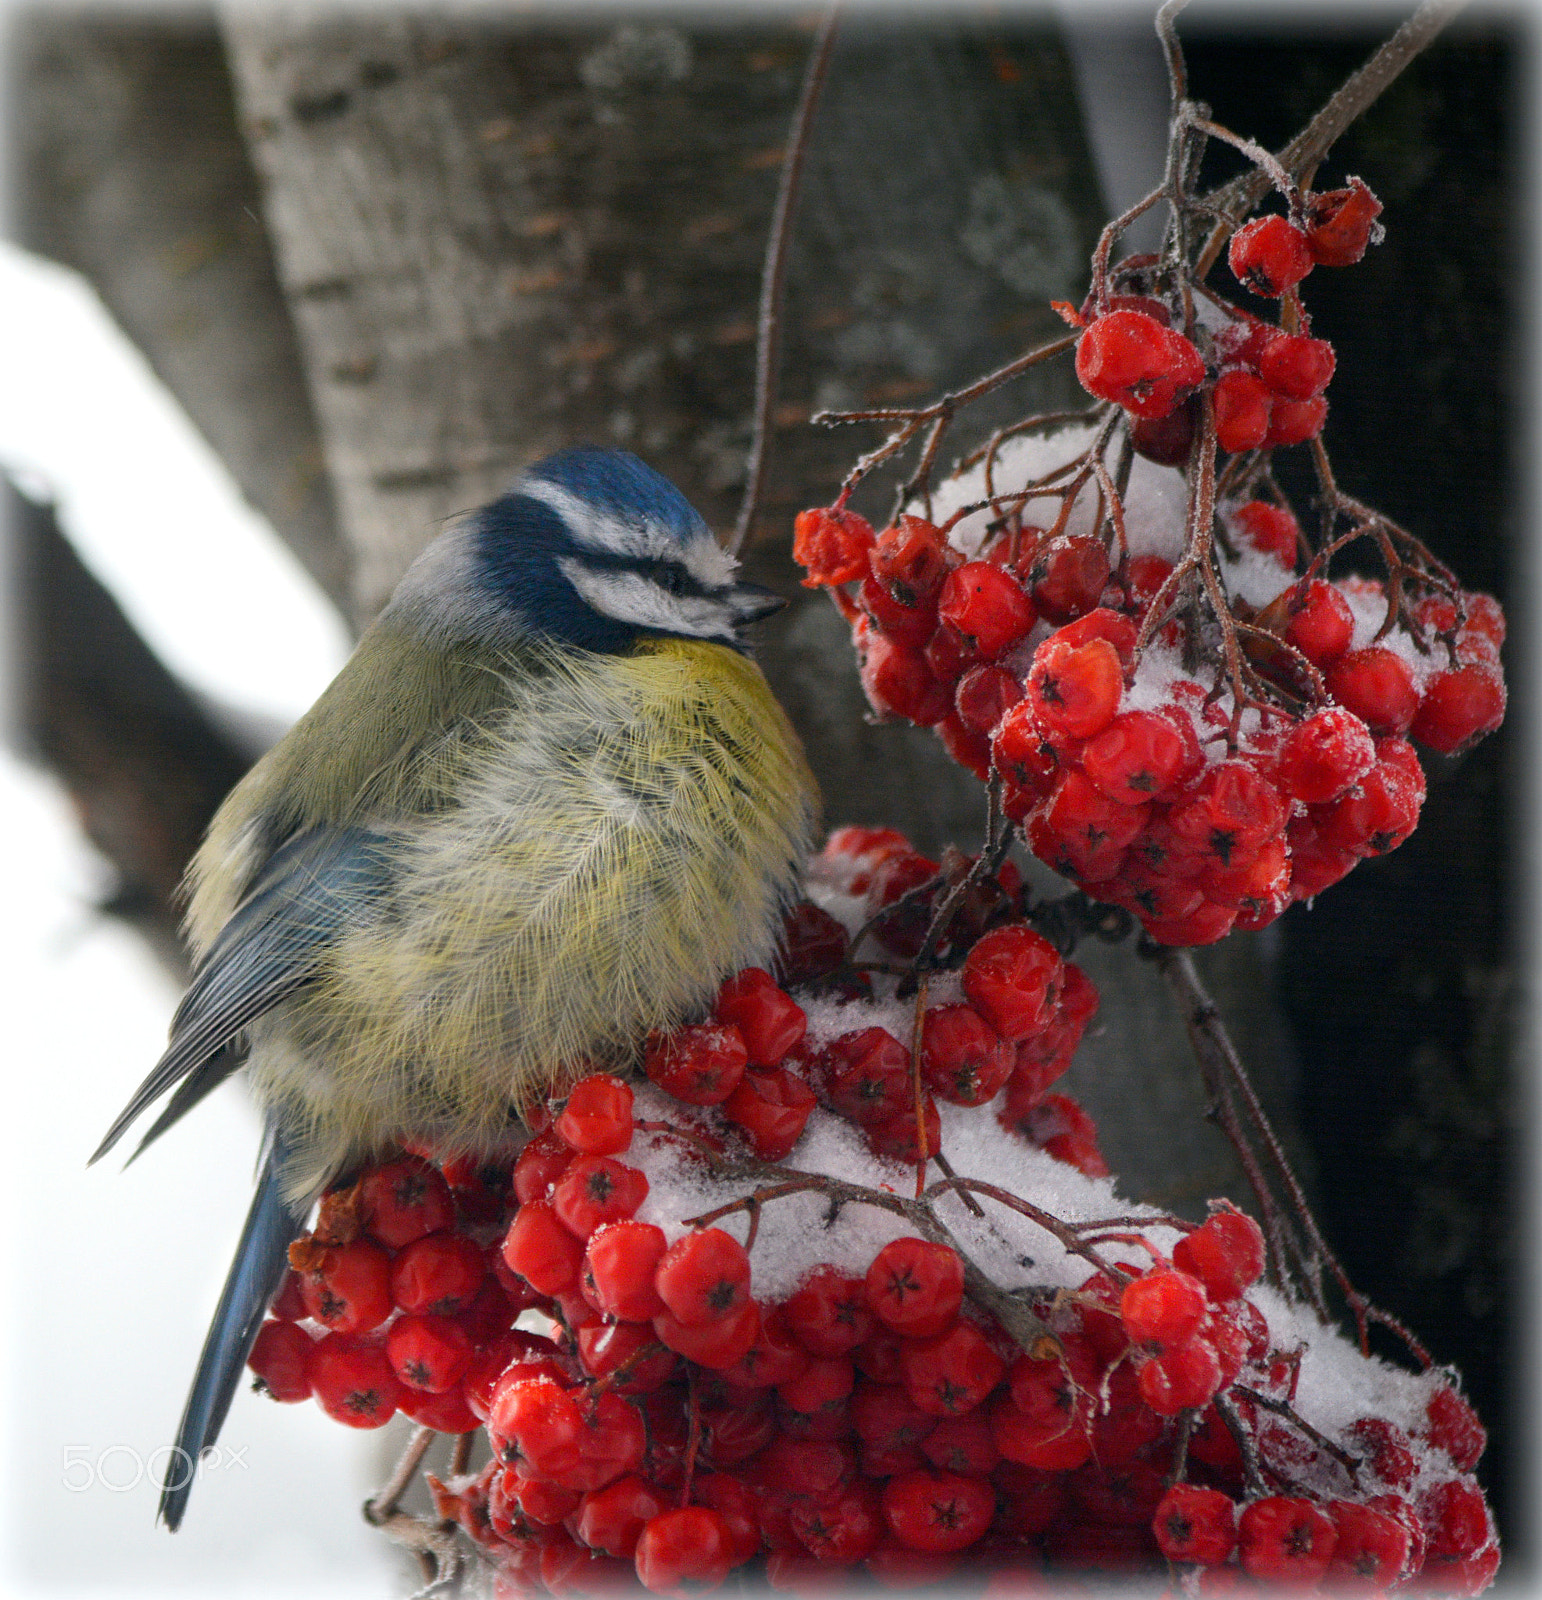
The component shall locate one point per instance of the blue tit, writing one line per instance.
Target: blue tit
(547, 806)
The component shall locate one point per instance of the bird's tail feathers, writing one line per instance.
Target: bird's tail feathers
(255, 1275)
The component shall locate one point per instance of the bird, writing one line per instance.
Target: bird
(547, 806)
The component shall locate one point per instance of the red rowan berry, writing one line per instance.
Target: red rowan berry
(1377, 686)
(896, 1136)
(1062, 1129)
(620, 1262)
(1269, 255)
(772, 1108)
(704, 1276)
(1129, 357)
(541, 1250)
(1229, 814)
(444, 1413)
(1270, 529)
(984, 696)
(718, 1343)
(1370, 1548)
(1459, 707)
(1068, 575)
(1374, 817)
(405, 1199)
(1320, 624)
(1144, 576)
(1165, 440)
(597, 1119)
(951, 1373)
(1226, 1254)
(605, 1348)
(440, 1273)
(915, 1287)
(1142, 755)
(813, 945)
(1242, 405)
(841, 1529)
(937, 1511)
(351, 1291)
(1074, 690)
(833, 544)
(597, 1189)
(1294, 421)
(1163, 1308)
(352, 1381)
(769, 1019)
(774, 1358)
(1456, 1519)
(428, 1352)
(1340, 223)
(684, 1552)
(1454, 1427)
(1323, 755)
(700, 1064)
(910, 626)
(963, 1059)
(1196, 1524)
(1285, 1540)
(910, 560)
(280, 1361)
(828, 1315)
(867, 1074)
(1296, 366)
(1182, 1378)
(987, 605)
(898, 682)
(1012, 977)
(540, 1164)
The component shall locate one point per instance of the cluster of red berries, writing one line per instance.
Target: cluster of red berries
(1133, 777)
(670, 1428)
(1023, 1012)
(1266, 381)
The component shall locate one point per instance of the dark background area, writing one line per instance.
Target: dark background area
(1402, 986)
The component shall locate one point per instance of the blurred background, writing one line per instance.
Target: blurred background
(284, 291)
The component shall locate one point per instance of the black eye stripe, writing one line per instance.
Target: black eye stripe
(670, 576)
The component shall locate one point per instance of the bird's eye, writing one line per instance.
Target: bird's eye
(673, 580)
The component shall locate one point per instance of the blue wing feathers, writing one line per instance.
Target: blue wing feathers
(261, 1260)
(272, 946)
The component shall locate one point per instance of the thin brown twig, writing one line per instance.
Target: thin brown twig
(383, 1503)
(1283, 1408)
(1221, 1065)
(773, 280)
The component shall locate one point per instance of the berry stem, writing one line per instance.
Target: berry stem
(912, 421)
(1252, 1471)
(1283, 1408)
(433, 1543)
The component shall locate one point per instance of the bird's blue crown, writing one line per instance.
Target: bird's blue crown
(595, 549)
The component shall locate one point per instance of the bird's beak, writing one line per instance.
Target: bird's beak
(751, 602)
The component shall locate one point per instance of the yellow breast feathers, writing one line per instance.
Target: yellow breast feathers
(627, 834)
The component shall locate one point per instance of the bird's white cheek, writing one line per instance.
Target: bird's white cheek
(628, 597)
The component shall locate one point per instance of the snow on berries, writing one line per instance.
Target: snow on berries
(690, 1358)
(1127, 761)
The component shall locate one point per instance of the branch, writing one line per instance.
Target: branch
(1355, 96)
(773, 280)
